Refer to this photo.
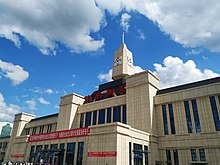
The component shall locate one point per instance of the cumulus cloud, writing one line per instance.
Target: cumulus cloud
(108, 76)
(174, 72)
(31, 104)
(181, 20)
(141, 34)
(43, 101)
(7, 112)
(42, 90)
(44, 23)
(125, 18)
(105, 76)
(13, 72)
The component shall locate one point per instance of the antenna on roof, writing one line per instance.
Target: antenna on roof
(123, 38)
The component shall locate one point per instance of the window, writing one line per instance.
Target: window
(215, 113)
(124, 115)
(81, 124)
(34, 130)
(168, 154)
(109, 115)
(196, 116)
(41, 130)
(61, 154)
(172, 123)
(27, 131)
(49, 128)
(176, 158)
(188, 116)
(117, 114)
(146, 154)
(94, 117)
(138, 154)
(101, 116)
(202, 154)
(46, 147)
(70, 153)
(80, 153)
(88, 119)
(54, 146)
(165, 125)
(193, 154)
(130, 154)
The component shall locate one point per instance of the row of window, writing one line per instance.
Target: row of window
(55, 154)
(188, 116)
(194, 157)
(3, 145)
(41, 129)
(108, 115)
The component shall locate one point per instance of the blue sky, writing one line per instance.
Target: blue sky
(49, 49)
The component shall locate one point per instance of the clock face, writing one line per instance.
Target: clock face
(118, 61)
(130, 61)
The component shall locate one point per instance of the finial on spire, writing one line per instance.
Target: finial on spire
(123, 39)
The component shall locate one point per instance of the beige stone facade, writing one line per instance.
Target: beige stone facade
(128, 121)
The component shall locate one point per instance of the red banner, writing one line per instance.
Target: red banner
(60, 134)
(102, 154)
(17, 155)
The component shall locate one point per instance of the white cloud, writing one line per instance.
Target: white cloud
(174, 72)
(193, 52)
(13, 72)
(72, 85)
(44, 23)
(43, 101)
(7, 112)
(185, 21)
(31, 104)
(125, 18)
(141, 34)
(108, 76)
(105, 76)
(41, 90)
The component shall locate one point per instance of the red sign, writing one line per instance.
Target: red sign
(17, 155)
(60, 134)
(102, 154)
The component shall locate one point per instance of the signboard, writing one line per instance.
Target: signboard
(102, 154)
(60, 134)
(17, 155)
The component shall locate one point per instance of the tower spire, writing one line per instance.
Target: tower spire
(123, 38)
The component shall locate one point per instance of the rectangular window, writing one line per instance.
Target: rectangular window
(124, 115)
(215, 113)
(88, 119)
(146, 154)
(61, 153)
(34, 130)
(202, 154)
(188, 116)
(172, 123)
(138, 154)
(117, 114)
(49, 128)
(165, 125)
(176, 158)
(196, 116)
(41, 130)
(109, 115)
(27, 131)
(80, 153)
(70, 153)
(32, 154)
(130, 154)
(81, 124)
(168, 154)
(54, 146)
(101, 119)
(193, 154)
(94, 118)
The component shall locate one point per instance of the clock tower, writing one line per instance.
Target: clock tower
(123, 62)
